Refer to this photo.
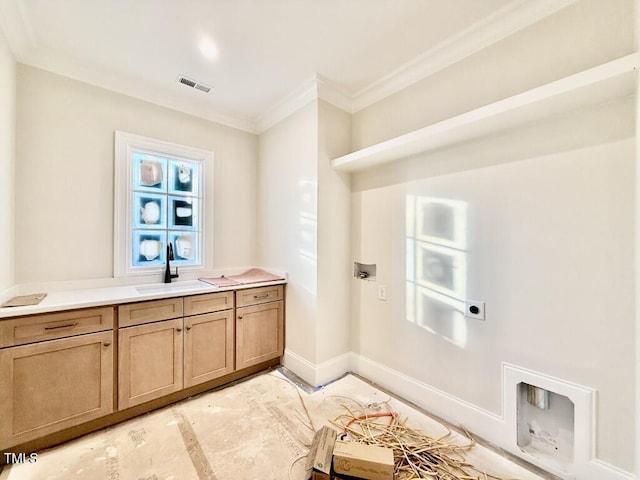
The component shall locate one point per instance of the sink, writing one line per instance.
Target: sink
(173, 287)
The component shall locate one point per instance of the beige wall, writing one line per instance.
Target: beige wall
(549, 244)
(304, 228)
(287, 220)
(7, 157)
(334, 232)
(64, 176)
(549, 227)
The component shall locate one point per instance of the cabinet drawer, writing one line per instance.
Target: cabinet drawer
(208, 303)
(151, 311)
(256, 296)
(49, 326)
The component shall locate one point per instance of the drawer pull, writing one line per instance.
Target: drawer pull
(66, 325)
(261, 295)
(179, 329)
(106, 344)
(239, 317)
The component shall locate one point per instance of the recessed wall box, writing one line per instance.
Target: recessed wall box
(364, 271)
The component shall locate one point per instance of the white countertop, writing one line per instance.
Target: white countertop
(93, 297)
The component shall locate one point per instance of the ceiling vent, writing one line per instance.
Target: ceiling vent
(193, 84)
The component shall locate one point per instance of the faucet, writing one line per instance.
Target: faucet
(167, 271)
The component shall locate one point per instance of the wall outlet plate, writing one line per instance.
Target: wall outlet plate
(474, 309)
(382, 292)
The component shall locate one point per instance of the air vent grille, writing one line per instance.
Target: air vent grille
(193, 84)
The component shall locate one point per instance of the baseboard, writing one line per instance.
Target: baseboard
(320, 374)
(491, 427)
(302, 367)
(448, 407)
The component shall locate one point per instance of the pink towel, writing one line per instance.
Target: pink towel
(254, 275)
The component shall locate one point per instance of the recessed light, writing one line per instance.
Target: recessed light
(208, 49)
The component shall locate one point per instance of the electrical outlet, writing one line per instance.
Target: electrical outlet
(474, 309)
(382, 293)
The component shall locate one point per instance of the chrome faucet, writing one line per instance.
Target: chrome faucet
(167, 271)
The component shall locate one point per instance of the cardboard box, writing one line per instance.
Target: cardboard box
(364, 461)
(321, 454)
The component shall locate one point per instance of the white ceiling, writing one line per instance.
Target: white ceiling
(267, 49)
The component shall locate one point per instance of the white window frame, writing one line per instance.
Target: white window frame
(126, 144)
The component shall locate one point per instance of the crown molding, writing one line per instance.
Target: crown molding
(315, 87)
(114, 82)
(504, 22)
(334, 94)
(293, 101)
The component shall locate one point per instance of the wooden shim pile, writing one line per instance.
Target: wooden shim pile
(416, 455)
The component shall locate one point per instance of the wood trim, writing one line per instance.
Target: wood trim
(139, 313)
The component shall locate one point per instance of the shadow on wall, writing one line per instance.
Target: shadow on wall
(436, 266)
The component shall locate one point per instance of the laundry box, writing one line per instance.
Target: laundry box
(359, 460)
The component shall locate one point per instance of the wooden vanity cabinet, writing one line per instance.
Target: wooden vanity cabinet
(159, 356)
(63, 373)
(208, 347)
(259, 325)
(149, 361)
(208, 337)
(50, 385)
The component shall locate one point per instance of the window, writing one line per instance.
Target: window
(159, 200)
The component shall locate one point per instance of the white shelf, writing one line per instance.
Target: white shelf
(615, 79)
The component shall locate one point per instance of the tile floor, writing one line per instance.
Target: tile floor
(253, 430)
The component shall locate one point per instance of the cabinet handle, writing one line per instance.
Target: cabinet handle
(188, 327)
(66, 325)
(106, 344)
(239, 317)
(179, 329)
(261, 295)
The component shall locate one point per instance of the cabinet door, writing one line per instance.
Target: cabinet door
(208, 347)
(259, 334)
(56, 384)
(149, 362)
